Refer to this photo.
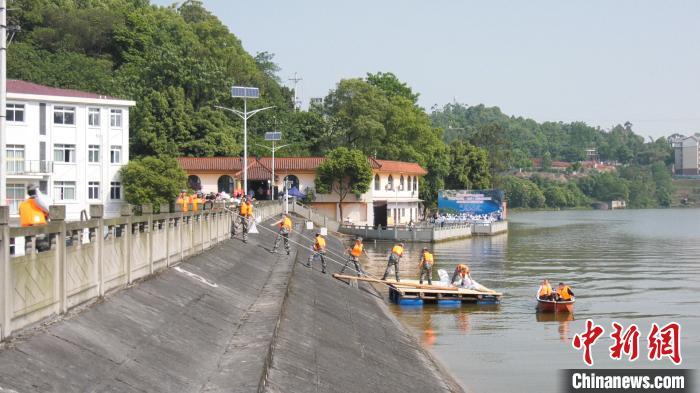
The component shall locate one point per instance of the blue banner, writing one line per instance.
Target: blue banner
(470, 201)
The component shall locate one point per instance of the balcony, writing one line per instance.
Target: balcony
(29, 167)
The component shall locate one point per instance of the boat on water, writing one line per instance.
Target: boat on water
(563, 306)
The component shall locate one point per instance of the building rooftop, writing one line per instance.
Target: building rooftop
(24, 87)
(261, 167)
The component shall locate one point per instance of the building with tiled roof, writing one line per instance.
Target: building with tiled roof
(69, 143)
(392, 197)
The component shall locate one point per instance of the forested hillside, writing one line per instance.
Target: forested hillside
(179, 62)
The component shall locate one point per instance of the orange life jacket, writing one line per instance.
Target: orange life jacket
(195, 202)
(398, 250)
(243, 209)
(564, 293)
(286, 223)
(357, 250)
(545, 290)
(462, 269)
(320, 243)
(249, 209)
(30, 214)
(427, 258)
(182, 201)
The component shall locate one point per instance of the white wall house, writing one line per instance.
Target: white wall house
(69, 143)
(687, 156)
(391, 199)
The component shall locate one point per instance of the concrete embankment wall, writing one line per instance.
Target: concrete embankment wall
(234, 318)
(336, 338)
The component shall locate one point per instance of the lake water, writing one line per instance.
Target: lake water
(629, 266)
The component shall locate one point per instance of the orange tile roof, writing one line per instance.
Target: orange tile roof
(400, 167)
(261, 166)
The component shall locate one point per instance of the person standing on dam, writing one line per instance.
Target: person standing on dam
(394, 259)
(318, 250)
(285, 227)
(245, 212)
(354, 256)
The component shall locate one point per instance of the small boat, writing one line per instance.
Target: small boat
(555, 306)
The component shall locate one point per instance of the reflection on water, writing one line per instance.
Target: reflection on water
(633, 266)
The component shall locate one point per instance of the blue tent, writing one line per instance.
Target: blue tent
(294, 192)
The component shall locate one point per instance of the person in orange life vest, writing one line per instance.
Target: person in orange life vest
(285, 227)
(461, 276)
(564, 293)
(318, 250)
(354, 254)
(426, 266)
(196, 200)
(245, 211)
(183, 200)
(394, 259)
(34, 210)
(545, 291)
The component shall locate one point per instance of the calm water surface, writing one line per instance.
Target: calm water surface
(630, 266)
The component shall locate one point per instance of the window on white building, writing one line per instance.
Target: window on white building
(115, 190)
(390, 183)
(94, 117)
(115, 118)
(15, 158)
(93, 153)
(377, 183)
(409, 183)
(15, 196)
(93, 190)
(64, 115)
(64, 190)
(415, 184)
(401, 183)
(14, 112)
(63, 153)
(115, 154)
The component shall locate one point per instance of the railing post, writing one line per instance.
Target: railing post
(97, 213)
(126, 212)
(58, 215)
(181, 221)
(165, 209)
(147, 210)
(5, 273)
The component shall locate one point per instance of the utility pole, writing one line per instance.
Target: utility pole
(245, 93)
(3, 101)
(296, 79)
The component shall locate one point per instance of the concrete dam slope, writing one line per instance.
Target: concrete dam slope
(233, 319)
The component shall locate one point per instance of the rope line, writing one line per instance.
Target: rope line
(305, 247)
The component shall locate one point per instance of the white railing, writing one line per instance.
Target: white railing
(65, 264)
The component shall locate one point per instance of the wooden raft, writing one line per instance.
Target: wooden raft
(411, 292)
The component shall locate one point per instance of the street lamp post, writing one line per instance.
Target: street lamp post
(273, 136)
(245, 93)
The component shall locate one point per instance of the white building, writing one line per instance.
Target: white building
(391, 198)
(687, 156)
(69, 143)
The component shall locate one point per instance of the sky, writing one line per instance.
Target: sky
(604, 62)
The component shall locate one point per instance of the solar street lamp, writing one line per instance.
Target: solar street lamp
(273, 136)
(246, 93)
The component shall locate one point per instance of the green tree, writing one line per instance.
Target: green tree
(468, 167)
(152, 180)
(344, 171)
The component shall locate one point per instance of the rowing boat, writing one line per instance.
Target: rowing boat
(555, 306)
